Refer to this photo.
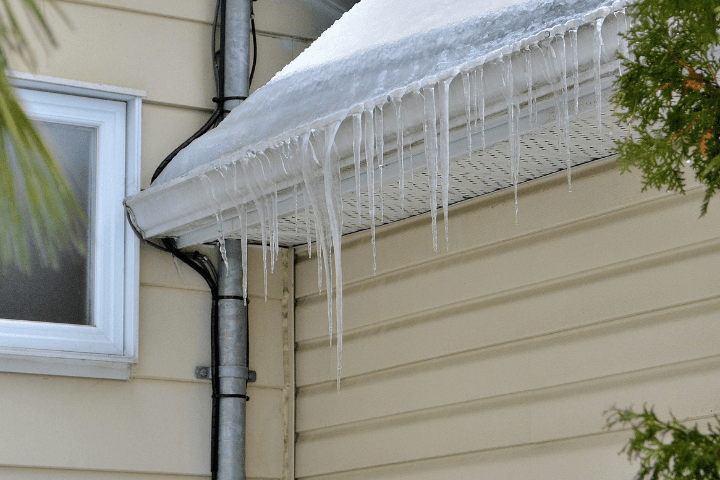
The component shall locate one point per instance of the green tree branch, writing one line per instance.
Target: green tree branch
(56, 220)
(668, 95)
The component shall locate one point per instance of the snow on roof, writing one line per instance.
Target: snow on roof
(373, 23)
(380, 49)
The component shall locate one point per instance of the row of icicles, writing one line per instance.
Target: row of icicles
(312, 155)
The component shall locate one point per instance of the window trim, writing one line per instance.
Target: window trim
(108, 349)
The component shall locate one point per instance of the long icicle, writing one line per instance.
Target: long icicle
(576, 69)
(468, 104)
(529, 84)
(597, 58)
(565, 119)
(380, 149)
(370, 162)
(242, 219)
(510, 99)
(481, 99)
(444, 153)
(431, 153)
(397, 103)
(210, 192)
(333, 200)
(312, 171)
(357, 140)
(307, 222)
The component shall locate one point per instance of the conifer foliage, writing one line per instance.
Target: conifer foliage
(669, 95)
(669, 450)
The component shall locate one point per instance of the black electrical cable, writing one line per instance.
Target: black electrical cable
(218, 57)
(252, 25)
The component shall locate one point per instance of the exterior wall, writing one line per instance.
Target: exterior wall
(158, 423)
(498, 358)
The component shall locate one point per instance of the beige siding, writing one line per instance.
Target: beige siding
(157, 425)
(497, 358)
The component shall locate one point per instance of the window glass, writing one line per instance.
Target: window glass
(45, 294)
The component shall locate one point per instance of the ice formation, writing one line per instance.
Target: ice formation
(351, 96)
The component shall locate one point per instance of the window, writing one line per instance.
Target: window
(83, 319)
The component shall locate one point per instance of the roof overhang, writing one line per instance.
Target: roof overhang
(254, 157)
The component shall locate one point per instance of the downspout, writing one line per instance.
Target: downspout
(232, 328)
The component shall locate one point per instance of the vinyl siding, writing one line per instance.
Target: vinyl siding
(497, 358)
(157, 425)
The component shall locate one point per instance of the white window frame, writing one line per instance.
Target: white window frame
(108, 348)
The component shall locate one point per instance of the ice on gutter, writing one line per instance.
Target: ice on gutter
(336, 110)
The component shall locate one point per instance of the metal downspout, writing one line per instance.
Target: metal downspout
(232, 310)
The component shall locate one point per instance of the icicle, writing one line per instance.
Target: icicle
(318, 254)
(529, 82)
(380, 149)
(512, 126)
(295, 197)
(576, 69)
(468, 104)
(565, 117)
(481, 98)
(307, 223)
(397, 103)
(210, 192)
(547, 72)
(244, 251)
(242, 220)
(276, 230)
(474, 93)
(431, 154)
(250, 176)
(265, 240)
(597, 59)
(370, 162)
(313, 172)
(333, 200)
(444, 152)
(357, 140)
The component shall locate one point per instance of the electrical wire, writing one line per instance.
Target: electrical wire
(218, 60)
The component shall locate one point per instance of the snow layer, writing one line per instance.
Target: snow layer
(333, 77)
(373, 23)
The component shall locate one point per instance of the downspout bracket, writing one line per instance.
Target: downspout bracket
(203, 372)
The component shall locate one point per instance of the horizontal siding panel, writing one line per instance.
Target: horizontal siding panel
(687, 275)
(566, 412)
(15, 473)
(619, 347)
(594, 456)
(197, 10)
(174, 333)
(508, 265)
(167, 58)
(88, 424)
